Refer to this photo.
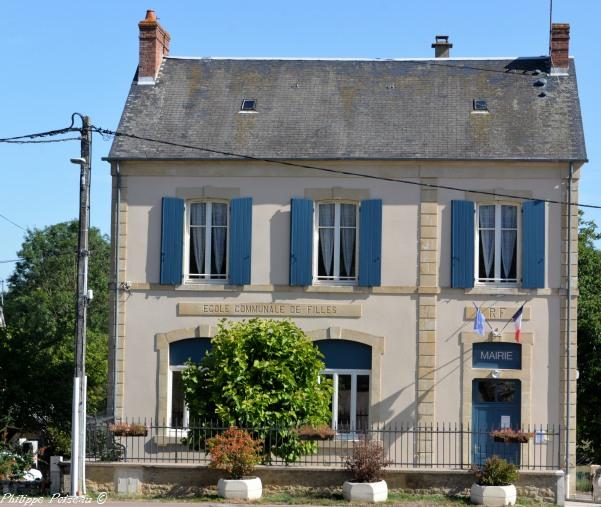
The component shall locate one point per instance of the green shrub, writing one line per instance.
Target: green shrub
(496, 472)
(14, 462)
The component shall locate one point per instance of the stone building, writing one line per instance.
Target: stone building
(376, 203)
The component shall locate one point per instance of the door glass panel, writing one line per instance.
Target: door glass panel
(177, 400)
(486, 391)
(362, 402)
(344, 403)
(506, 391)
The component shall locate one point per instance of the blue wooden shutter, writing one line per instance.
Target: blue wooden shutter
(240, 240)
(533, 244)
(462, 244)
(172, 240)
(301, 242)
(370, 243)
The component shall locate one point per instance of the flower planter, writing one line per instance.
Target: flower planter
(493, 496)
(128, 430)
(315, 438)
(311, 433)
(508, 436)
(240, 489)
(365, 491)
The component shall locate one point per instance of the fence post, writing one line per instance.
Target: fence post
(55, 474)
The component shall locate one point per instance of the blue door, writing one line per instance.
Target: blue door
(495, 405)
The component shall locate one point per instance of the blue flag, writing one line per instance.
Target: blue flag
(479, 322)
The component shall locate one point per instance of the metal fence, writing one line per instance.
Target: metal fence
(447, 446)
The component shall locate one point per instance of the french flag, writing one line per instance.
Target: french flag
(517, 321)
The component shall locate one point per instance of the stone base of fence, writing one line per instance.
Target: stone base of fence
(184, 479)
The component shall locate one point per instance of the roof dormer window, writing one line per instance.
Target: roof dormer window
(248, 105)
(480, 105)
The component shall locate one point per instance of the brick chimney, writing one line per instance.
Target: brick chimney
(442, 46)
(560, 46)
(154, 44)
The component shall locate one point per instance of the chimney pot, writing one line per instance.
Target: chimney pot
(154, 45)
(560, 46)
(442, 46)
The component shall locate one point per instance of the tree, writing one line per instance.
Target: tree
(589, 342)
(259, 374)
(37, 346)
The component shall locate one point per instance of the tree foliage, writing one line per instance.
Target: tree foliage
(37, 346)
(261, 373)
(589, 342)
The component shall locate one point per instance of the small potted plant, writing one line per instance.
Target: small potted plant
(237, 453)
(312, 433)
(494, 483)
(366, 466)
(124, 429)
(509, 436)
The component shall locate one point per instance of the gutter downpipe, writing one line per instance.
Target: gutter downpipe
(569, 324)
(117, 291)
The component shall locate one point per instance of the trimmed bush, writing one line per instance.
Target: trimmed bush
(234, 451)
(366, 462)
(496, 472)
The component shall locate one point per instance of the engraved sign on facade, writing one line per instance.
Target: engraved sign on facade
(224, 309)
(496, 312)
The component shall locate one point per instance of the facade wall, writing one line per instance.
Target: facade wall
(422, 321)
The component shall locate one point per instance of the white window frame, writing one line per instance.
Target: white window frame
(335, 278)
(497, 281)
(353, 373)
(206, 277)
(186, 419)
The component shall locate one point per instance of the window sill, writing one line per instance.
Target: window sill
(335, 283)
(510, 290)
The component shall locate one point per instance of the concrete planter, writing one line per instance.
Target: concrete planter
(493, 496)
(241, 489)
(365, 491)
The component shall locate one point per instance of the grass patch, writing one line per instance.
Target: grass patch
(321, 496)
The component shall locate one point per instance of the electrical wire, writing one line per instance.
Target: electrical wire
(106, 132)
(47, 133)
(43, 141)
(8, 261)
(14, 223)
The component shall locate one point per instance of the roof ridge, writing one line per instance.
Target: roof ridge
(294, 58)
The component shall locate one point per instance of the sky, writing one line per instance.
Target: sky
(65, 56)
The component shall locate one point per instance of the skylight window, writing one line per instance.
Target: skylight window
(248, 105)
(480, 105)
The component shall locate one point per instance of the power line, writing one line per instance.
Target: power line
(106, 132)
(14, 223)
(9, 260)
(43, 141)
(47, 133)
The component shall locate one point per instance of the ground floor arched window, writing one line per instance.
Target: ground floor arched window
(348, 364)
(180, 352)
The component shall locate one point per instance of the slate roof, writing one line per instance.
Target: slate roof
(355, 109)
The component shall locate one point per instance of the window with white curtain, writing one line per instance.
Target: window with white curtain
(336, 244)
(207, 240)
(497, 243)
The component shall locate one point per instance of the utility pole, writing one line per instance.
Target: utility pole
(78, 421)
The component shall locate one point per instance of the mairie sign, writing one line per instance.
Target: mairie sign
(505, 356)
